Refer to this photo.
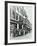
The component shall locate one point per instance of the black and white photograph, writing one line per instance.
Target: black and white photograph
(21, 22)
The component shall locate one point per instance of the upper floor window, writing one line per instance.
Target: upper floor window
(20, 18)
(13, 14)
(16, 16)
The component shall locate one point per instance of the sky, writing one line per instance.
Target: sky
(29, 11)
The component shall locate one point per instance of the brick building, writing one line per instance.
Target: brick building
(18, 20)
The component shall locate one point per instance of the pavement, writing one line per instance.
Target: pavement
(27, 36)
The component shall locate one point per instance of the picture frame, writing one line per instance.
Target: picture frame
(7, 13)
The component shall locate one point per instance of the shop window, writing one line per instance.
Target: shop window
(15, 25)
(20, 26)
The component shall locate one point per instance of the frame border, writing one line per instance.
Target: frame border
(6, 22)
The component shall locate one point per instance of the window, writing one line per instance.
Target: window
(20, 26)
(19, 18)
(13, 14)
(15, 25)
(16, 16)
